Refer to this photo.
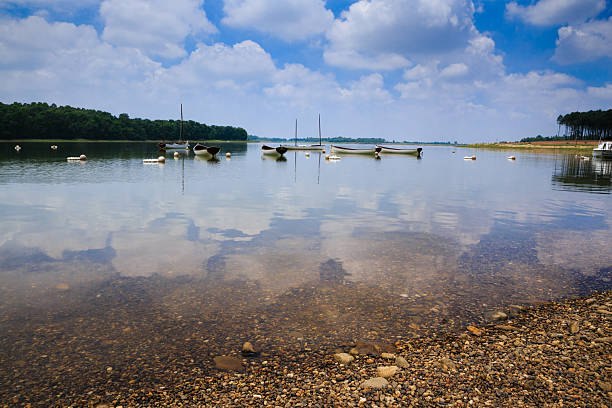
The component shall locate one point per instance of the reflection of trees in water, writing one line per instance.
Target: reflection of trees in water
(573, 173)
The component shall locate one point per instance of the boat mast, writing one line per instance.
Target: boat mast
(296, 132)
(181, 139)
(319, 129)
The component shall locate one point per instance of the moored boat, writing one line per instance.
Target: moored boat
(273, 151)
(350, 150)
(395, 150)
(205, 151)
(181, 144)
(314, 147)
(603, 150)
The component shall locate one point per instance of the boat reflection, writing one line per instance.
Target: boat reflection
(574, 173)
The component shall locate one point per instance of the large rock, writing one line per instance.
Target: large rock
(228, 363)
(386, 371)
(401, 362)
(374, 348)
(343, 358)
(376, 383)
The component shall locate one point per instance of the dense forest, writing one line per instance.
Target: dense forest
(42, 121)
(587, 125)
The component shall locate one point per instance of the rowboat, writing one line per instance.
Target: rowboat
(394, 150)
(350, 150)
(273, 151)
(603, 150)
(205, 151)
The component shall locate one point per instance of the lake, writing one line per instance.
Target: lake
(111, 261)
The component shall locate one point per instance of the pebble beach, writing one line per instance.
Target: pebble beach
(554, 354)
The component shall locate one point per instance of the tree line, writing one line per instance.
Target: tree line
(586, 125)
(40, 120)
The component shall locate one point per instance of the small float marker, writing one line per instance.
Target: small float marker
(307, 154)
(75, 158)
(53, 147)
(160, 159)
(18, 148)
(511, 158)
(176, 154)
(228, 155)
(469, 158)
(332, 157)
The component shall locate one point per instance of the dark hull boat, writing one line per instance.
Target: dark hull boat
(206, 151)
(273, 151)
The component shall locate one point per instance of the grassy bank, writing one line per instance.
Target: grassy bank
(580, 146)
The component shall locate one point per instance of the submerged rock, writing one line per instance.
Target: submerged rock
(228, 363)
(375, 383)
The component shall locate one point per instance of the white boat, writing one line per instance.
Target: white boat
(603, 150)
(394, 150)
(205, 151)
(181, 144)
(273, 151)
(350, 150)
(306, 147)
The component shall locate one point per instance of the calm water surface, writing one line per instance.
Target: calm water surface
(112, 260)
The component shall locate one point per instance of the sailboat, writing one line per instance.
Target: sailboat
(181, 144)
(306, 147)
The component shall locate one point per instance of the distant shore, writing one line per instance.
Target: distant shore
(582, 145)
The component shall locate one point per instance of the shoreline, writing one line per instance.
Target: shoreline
(535, 146)
(553, 354)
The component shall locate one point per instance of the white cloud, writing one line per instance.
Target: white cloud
(368, 87)
(603, 93)
(288, 20)
(454, 71)
(585, 42)
(156, 27)
(398, 31)
(555, 12)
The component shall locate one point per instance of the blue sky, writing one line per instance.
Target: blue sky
(428, 70)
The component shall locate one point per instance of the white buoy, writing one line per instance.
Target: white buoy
(511, 158)
(176, 154)
(18, 148)
(332, 157)
(228, 155)
(307, 154)
(161, 159)
(327, 157)
(82, 157)
(469, 158)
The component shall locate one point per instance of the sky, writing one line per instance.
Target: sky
(416, 70)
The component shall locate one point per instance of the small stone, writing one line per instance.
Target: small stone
(574, 327)
(401, 362)
(475, 331)
(606, 386)
(387, 356)
(386, 371)
(248, 350)
(604, 311)
(62, 286)
(603, 340)
(589, 301)
(446, 364)
(343, 358)
(354, 351)
(498, 316)
(376, 383)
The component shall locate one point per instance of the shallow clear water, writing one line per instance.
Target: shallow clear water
(253, 248)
